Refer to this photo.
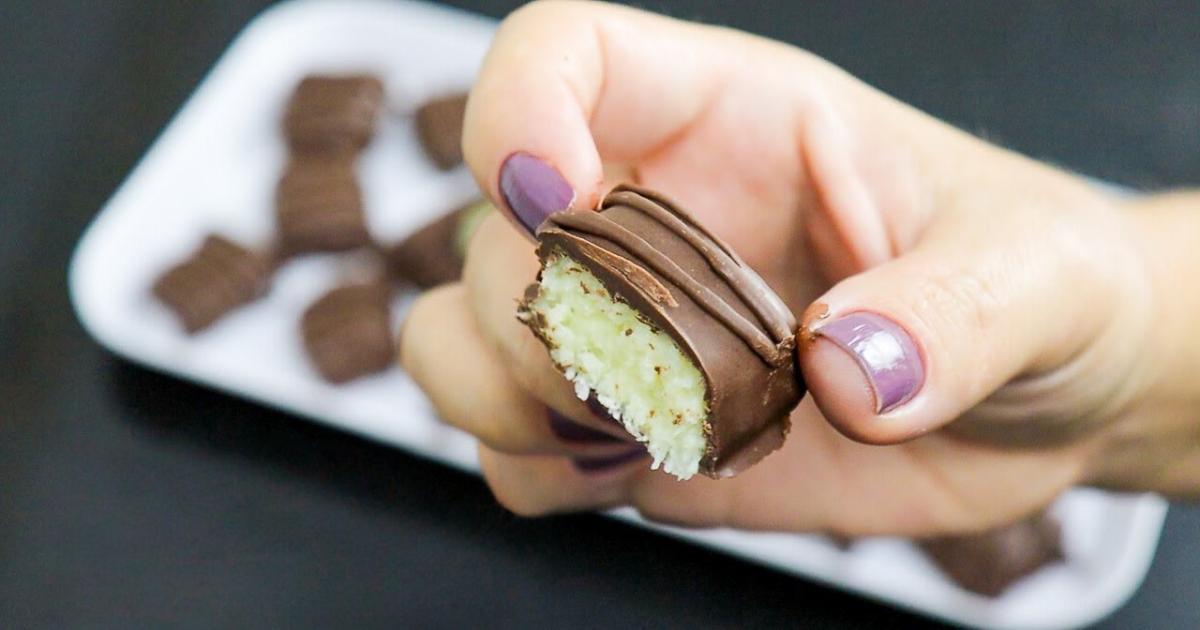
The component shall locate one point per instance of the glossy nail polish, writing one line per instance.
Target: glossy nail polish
(885, 353)
(533, 189)
(596, 465)
(569, 431)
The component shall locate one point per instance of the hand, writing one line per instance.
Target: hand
(1013, 296)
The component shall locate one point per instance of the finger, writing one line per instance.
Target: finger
(762, 497)
(913, 344)
(537, 486)
(442, 350)
(568, 87)
(500, 264)
(567, 83)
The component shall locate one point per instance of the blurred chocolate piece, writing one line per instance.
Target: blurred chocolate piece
(333, 113)
(319, 206)
(347, 332)
(439, 127)
(214, 280)
(469, 218)
(843, 543)
(990, 562)
(434, 254)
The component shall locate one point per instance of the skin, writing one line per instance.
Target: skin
(1037, 300)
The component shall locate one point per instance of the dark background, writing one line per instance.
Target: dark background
(130, 499)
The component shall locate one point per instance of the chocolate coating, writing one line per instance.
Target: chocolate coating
(319, 206)
(439, 127)
(333, 113)
(988, 563)
(215, 279)
(434, 254)
(347, 332)
(686, 282)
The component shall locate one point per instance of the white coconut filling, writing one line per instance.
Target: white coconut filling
(636, 371)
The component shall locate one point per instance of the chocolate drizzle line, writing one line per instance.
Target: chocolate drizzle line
(766, 306)
(773, 352)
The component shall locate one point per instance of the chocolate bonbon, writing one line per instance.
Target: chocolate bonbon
(347, 332)
(439, 128)
(218, 277)
(319, 206)
(660, 321)
(434, 254)
(333, 113)
(989, 562)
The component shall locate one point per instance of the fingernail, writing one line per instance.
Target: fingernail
(533, 189)
(884, 351)
(595, 465)
(600, 411)
(569, 431)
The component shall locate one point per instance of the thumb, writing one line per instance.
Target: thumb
(910, 345)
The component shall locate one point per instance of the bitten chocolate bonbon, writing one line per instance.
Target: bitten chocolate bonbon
(319, 206)
(218, 277)
(439, 128)
(347, 332)
(660, 321)
(989, 562)
(333, 113)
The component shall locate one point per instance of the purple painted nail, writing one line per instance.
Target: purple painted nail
(886, 353)
(533, 189)
(600, 411)
(569, 431)
(595, 465)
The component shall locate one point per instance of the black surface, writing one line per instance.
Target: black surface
(128, 499)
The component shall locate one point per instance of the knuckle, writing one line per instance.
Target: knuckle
(428, 316)
(666, 515)
(514, 497)
(490, 435)
(411, 345)
(527, 356)
(502, 421)
(534, 13)
(1102, 270)
(525, 508)
(661, 504)
(506, 437)
(959, 300)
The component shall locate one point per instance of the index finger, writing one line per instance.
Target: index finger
(568, 86)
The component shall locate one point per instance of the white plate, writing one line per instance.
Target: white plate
(214, 168)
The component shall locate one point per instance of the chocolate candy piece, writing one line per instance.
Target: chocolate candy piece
(434, 254)
(843, 543)
(214, 280)
(333, 113)
(347, 332)
(989, 562)
(439, 127)
(643, 308)
(319, 207)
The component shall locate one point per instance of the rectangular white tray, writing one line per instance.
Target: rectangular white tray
(214, 168)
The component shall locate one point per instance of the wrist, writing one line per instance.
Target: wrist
(1167, 230)
(1155, 442)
